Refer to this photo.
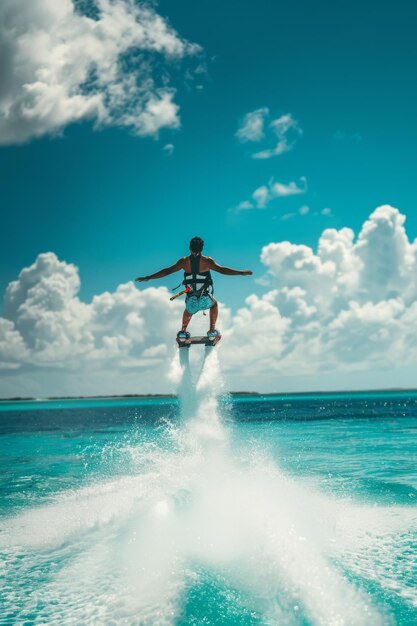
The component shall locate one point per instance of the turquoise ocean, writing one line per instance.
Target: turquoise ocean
(210, 509)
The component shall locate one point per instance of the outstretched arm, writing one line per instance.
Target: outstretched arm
(227, 270)
(165, 272)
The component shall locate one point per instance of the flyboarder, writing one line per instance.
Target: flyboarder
(198, 286)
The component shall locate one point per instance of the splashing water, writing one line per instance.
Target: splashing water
(194, 515)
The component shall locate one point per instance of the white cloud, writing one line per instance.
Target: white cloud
(46, 325)
(245, 204)
(261, 196)
(60, 66)
(246, 337)
(287, 216)
(348, 307)
(169, 149)
(264, 194)
(388, 261)
(280, 190)
(252, 127)
(303, 210)
(287, 131)
(281, 132)
(13, 350)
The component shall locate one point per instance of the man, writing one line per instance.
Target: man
(197, 278)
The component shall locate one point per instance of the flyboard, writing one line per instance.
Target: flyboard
(203, 340)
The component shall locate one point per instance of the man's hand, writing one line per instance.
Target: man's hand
(141, 279)
(247, 273)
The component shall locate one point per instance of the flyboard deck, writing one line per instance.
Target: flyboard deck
(204, 341)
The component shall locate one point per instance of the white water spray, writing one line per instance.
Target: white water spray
(130, 550)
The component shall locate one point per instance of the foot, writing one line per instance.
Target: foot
(212, 334)
(183, 334)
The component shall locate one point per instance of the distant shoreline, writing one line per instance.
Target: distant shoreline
(231, 393)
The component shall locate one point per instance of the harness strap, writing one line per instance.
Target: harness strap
(195, 266)
(199, 282)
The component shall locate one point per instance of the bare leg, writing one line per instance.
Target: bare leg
(214, 311)
(186, 319)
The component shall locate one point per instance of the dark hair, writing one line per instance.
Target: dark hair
(196, 245)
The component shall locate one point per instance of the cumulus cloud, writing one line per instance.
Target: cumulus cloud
(348, 306)
(281, 132)
(264, 194)
(58, 329)
(60, 64)
(106, 344)
(13, 351)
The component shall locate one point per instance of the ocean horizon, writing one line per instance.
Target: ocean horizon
(232, 393)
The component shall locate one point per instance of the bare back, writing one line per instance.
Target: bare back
(206, 264)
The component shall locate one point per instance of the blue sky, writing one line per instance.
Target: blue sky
(284, 134)
(117, 205)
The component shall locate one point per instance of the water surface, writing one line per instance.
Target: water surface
(243, 510)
